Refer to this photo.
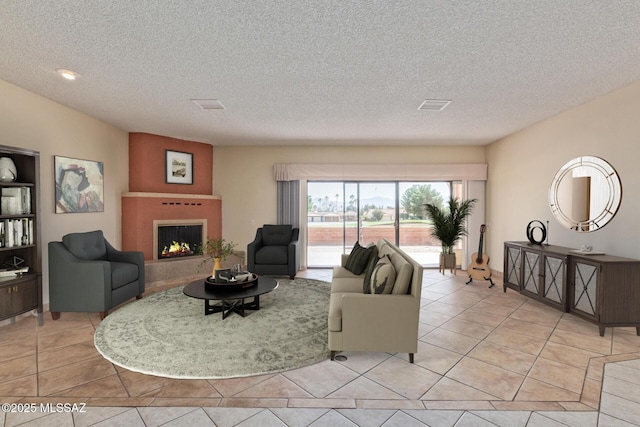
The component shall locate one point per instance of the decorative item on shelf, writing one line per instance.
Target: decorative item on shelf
(448, 226)
(9, 272)
(533, 230)
(218, 249)
(16, 201)
(9, 205)
(586, 250)
(14, 262)
(8, 171)
(13, 266)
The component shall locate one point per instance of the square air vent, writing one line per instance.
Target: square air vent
(434, 104)
(208, 104)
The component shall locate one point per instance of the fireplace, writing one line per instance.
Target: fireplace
(142, 213)
(178, 238)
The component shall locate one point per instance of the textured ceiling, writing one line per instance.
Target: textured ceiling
(330, 72)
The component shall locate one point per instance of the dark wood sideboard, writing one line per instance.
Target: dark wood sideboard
(603, 289)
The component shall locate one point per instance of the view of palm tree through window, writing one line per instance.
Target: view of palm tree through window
(341, 213)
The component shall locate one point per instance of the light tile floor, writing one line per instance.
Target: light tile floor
(485, 358)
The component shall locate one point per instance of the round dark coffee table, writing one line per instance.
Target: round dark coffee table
(232, 300)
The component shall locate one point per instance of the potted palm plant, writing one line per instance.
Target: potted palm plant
(449, 226)
(218, 249)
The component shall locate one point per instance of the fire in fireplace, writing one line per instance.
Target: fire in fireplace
(179, 240)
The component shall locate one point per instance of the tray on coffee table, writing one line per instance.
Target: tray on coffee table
(210, 282)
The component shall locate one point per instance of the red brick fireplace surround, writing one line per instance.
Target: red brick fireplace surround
(151, 199)
(140, 210)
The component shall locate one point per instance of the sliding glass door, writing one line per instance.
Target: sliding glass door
(414, 235)
(378, 211)
(341, 213)
(328, 222)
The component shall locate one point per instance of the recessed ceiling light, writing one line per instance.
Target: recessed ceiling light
(208, 104)
(434, 104)
(67, 74)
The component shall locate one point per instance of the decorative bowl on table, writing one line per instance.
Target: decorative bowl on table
(241, 280)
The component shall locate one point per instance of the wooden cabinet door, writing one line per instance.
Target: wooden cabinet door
(584, 288)
(554, 270)
(5, 302)
(24, 297)
(512, 266)
(531, 273)
(544, 277)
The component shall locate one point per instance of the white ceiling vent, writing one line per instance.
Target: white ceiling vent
(434, 104)
(208, 104)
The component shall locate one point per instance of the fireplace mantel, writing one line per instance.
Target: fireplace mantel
(140, 210)
(170, 195)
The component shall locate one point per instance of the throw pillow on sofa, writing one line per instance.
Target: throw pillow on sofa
(366, 284)
(383, 276)
(358, 258)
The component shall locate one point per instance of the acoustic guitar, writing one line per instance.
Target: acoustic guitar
(479, 267)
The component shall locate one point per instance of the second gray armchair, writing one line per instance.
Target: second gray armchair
(274, 251)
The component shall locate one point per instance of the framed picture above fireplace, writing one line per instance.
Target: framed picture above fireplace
(179, 167)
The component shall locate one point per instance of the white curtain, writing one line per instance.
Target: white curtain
(380, 172)
(289, 203)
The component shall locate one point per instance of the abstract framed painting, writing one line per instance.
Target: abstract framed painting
(179, 167)
(79, 185)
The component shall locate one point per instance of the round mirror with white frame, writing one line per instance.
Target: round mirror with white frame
(585, 194)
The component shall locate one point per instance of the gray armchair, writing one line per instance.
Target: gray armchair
(274, 251)
(87, 274)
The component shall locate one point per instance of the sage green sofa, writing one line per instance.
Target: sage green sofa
(87, 274)
(376, 322)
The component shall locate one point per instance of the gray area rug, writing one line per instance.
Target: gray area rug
(167, 334)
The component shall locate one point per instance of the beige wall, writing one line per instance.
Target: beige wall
(243, 176)
(522, 166)
(31, 121)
